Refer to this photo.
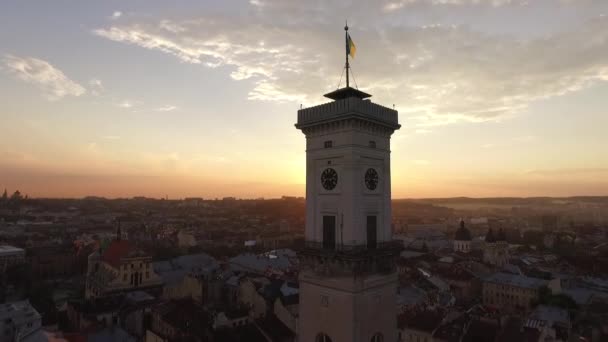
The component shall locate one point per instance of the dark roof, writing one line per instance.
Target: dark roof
(237, 312)
(247, 332)
(273, 290)
(426, 320)
(185, 316)
(481, 331)
(346, 92)
(490, 236)
(290, 300)
(453, 330)
(274, 327)
(501, 235)
(98, 305)
(462, 233)
(513, 331)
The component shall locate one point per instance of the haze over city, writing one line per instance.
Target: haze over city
(304, 171)
(198, 98)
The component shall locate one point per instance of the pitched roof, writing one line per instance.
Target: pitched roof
(426, 320)
(117, 250)
(516, 280)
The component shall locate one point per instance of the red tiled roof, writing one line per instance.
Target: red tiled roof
(117, 250)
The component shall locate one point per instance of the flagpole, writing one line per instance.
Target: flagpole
(346, 51)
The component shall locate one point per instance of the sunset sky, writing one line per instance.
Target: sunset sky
(199, 98)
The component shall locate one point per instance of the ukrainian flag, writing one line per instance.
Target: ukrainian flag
(351, 49)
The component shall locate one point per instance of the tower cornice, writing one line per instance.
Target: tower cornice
(352, 107)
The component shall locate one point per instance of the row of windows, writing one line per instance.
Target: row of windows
(124, 277)
(330, 144)
(508, 288)
(141, 264)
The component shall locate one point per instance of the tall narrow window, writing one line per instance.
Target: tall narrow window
(372, 231)
(329, 232)
(377, 338)
(322, 338)
(329, 144)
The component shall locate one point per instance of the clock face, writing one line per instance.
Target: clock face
(329, 179)
(371, 179)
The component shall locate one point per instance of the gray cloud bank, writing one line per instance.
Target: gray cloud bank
(437, 73)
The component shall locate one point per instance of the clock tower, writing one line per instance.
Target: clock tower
(348, 281)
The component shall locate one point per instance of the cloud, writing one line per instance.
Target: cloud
(111, 137)
(96, 86)
(116, 15)
(167, 108)
(53, 82)
(423, 131)
(436, 74)
(569, 172)
(128, 104)
(396, 5)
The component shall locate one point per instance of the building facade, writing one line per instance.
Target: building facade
(10, 256)
(462, 239)
(512, 292)
(19, 321)
(120, 268)
(348, 279)
(496, 249)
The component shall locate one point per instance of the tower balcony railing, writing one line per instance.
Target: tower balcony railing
(380, 246)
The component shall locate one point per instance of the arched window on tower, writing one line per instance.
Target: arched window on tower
(321, 337)
(377, 338)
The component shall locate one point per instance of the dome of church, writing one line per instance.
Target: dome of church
(462, 234)
(501, 235)
(490, 236)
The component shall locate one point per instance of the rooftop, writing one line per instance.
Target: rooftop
(426, 320)
(117, 250)
(549, 314)
(462, 234)
(516, 280)
(480, 330)
(346, 92)
(10, 250)
(18, 310)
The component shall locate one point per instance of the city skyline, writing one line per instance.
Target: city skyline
(111, 100)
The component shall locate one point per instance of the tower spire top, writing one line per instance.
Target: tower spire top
(346, 92)
(347, 40)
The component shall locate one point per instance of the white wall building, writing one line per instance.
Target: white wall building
(19, 321)
(348, 280)
(462, 239)
(9, 256)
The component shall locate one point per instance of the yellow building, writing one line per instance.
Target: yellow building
(119, 268)
(514, 292)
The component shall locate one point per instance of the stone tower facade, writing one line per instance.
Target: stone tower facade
(496, 249)
(348, 279)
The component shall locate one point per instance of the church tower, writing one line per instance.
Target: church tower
(462, 239)
(496, 249)
(348, 279)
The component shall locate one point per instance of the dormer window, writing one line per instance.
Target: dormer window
(329, 144)
(372, 144)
